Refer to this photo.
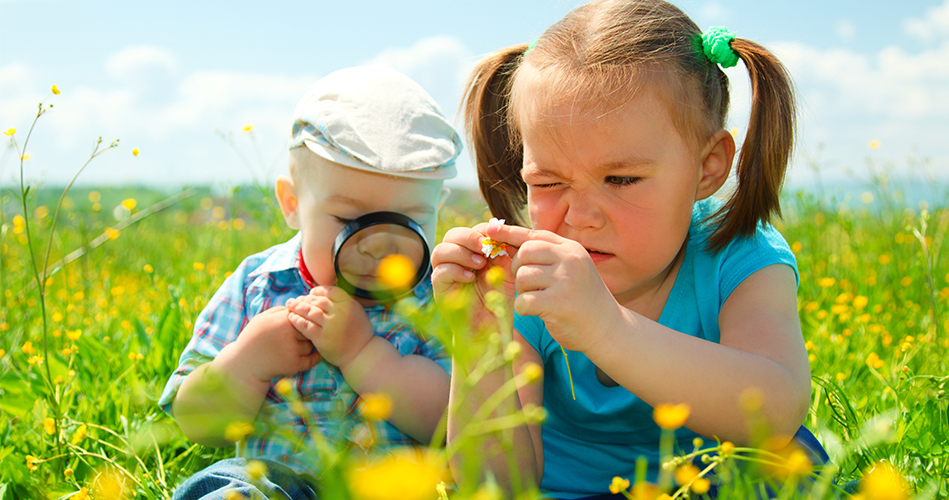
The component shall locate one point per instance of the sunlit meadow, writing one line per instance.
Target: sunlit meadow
(99, 288)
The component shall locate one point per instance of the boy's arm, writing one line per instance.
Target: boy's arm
(340, 329)
(417, 385)
(232, 387)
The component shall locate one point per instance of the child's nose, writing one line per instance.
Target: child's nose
(583, 212)
(377, 245)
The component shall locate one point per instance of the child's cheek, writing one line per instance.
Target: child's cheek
(545, 209)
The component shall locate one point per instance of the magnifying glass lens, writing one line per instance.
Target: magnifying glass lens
(381, 256)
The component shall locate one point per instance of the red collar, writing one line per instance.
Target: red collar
(304, 272)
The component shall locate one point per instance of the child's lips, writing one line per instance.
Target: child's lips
(597, 255)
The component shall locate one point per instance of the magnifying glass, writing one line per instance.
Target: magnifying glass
(380, 256)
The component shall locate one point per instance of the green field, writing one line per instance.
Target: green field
(84, 357)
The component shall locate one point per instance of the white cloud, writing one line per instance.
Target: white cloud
(171, 117)
(934, 25)
(713, 12)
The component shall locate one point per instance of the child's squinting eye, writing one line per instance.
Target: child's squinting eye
(614, 180)
(342, 220)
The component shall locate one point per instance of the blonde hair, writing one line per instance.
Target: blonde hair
(600, 55)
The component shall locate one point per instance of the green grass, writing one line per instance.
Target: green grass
(874, 300)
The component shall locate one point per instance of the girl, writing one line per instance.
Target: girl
(609, 128)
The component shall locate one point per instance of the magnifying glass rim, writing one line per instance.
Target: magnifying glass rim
(374, 219)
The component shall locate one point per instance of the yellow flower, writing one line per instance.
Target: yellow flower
(376, 406)
(35, 360)
(406, 474)
(79, 435)
(284, 387)
(396, 271)
(495, 276)
(95, 196)
(874, 361)
(82, 494)
(796, 247)
(50, 425)
(55, 89)
(701, 485)
(532, 372)
(238, 431)
(256, 469)
(31, 463)
(874, 145)
(129, 204)
(619, 484)
(2, 353)
(671, 417)
(248, 127)
(68, 472)
(726, 448)
(135, 151)
(883, 482)
(28, 347)
(9, 131)
(73, 335)
(827, 282)
(110, 485)
(859, 302)
(685, 474)
(198, 266)
(112, 233)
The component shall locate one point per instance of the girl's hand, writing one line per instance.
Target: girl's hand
(556, 280)
(332, 319)
(458, 264)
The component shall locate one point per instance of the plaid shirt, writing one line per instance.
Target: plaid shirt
(328, 413)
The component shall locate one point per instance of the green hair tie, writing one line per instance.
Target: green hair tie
(531, 46)
(715, 44)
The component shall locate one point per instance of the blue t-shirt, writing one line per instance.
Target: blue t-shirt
(600, 435)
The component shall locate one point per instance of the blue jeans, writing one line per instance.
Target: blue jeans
(227, 476)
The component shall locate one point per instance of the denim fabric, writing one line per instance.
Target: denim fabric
(221, 480)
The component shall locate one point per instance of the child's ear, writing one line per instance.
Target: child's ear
(716, 163)
(287, 199)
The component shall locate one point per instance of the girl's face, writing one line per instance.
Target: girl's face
(621, 184)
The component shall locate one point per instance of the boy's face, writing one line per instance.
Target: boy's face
(324, 196)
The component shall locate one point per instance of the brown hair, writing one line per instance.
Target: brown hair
(600, 55)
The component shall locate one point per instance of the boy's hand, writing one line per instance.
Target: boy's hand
(269, 347)
(457, 263)
(332, 319)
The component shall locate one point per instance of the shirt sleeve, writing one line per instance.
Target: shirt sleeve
(216, 326)
(747, 255)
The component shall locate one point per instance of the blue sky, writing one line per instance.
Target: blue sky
(165, 77)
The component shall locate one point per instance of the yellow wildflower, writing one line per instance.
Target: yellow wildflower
(112, 233)
(827, 282)
(532, 372)
(49, 425)
(376, 406)
(396, 271)
(28, 347)
(874, 145)
(859, 302)
(671, 417)
(74, 335)
(256, 469)
(619, 484)
(31, 463)
(883, 482)
(495, 276)
(68, 472)
(406, 474)
(10, 131)
(55, 89)
(109, 485)
(238, 431)
(198, 266)
(726, 448)
(79, 435)
(685, 474)
(35, 360)
(135, 151)
(82, 494)
(284, 387)
(248, 127)
(2, 353)
(874, 361)
(129, 204)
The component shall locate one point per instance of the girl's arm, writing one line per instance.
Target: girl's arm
(459, 267)
(761, 352)
(526, 446)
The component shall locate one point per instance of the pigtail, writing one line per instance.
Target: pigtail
(766, 151)
(499, 153)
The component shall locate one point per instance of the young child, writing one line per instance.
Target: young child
(365, 139)
(610, 130)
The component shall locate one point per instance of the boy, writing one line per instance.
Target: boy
(365, 140)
